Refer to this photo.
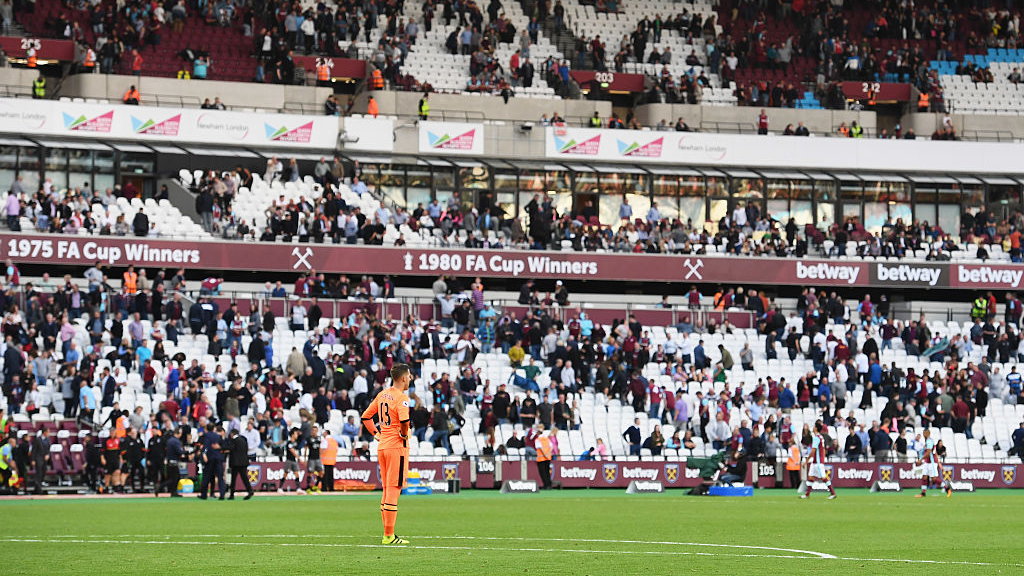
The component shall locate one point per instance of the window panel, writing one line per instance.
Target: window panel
(665, 185)
(778, 188)
(747, 188)
(476, 178)
(716, 186)
(694, 210)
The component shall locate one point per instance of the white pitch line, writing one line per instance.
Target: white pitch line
(815, 556)
(337, 545)
(493, 538)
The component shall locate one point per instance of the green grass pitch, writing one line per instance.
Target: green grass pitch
(485, 533)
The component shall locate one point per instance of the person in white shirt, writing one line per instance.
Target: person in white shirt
(306, 402)
(462, 348)
(739, 216)
(360, 389)
(842, 373)
(686, 350)
(732, 61)
(252, 437)
(568, 376)
(259, 401)
(862, 366)
(298, 317)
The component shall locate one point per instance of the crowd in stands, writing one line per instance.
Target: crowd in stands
(745, 231)
(892, 43)
(324, 216)
(72, 210)
(97, 348)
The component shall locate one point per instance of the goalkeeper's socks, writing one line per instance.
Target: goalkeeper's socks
(390, 513)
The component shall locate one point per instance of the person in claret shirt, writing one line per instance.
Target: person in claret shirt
(211, 286)
(301, 286)
(655, 395)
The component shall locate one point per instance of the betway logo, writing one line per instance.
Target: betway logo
(576, 472)
(908, 273)
(825, 271)
(352, 474)
(427, 475)
(975, 474)
(643, 473)
(279, 474)
(854, 474)
(989, 275)
(909, 474)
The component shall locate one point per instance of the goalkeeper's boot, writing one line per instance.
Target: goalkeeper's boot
(393, 540)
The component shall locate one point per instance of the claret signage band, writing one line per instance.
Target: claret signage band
(330, 258)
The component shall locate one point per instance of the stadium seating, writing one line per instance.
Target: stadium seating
(429, 60)
(165, 220)
(600, 417)
(228, 47)
(964, 96)
(251, 204)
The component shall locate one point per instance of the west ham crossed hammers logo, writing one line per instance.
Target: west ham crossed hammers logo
(301, 258)
(694, 269)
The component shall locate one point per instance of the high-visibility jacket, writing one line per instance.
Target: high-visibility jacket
(322, 73)
(32, 60)
(39, 88)
(923, 101)
(372, 108)
(329, 453)
(844, 131)
(793, 460)
(376, 80)
(90, 59)
(424, 107)
(131, 95)
(6, 457)
(543, 449)
(131, 280)
(595, 122)
(980, 308)
(857, 131)
(121, 427)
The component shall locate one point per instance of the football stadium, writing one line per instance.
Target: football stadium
(511, 286)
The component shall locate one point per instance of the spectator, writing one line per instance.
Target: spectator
(200, 68)
(632, 437)
(131, 96)
(140, 223)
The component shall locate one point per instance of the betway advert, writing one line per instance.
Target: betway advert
(566, 265)
(1007, 276)
(909, 274)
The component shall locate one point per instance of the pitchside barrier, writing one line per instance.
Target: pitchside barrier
(489, 473)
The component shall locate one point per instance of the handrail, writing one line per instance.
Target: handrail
(729, 127)
(988, 135)
(401, 307)
(15, 91)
